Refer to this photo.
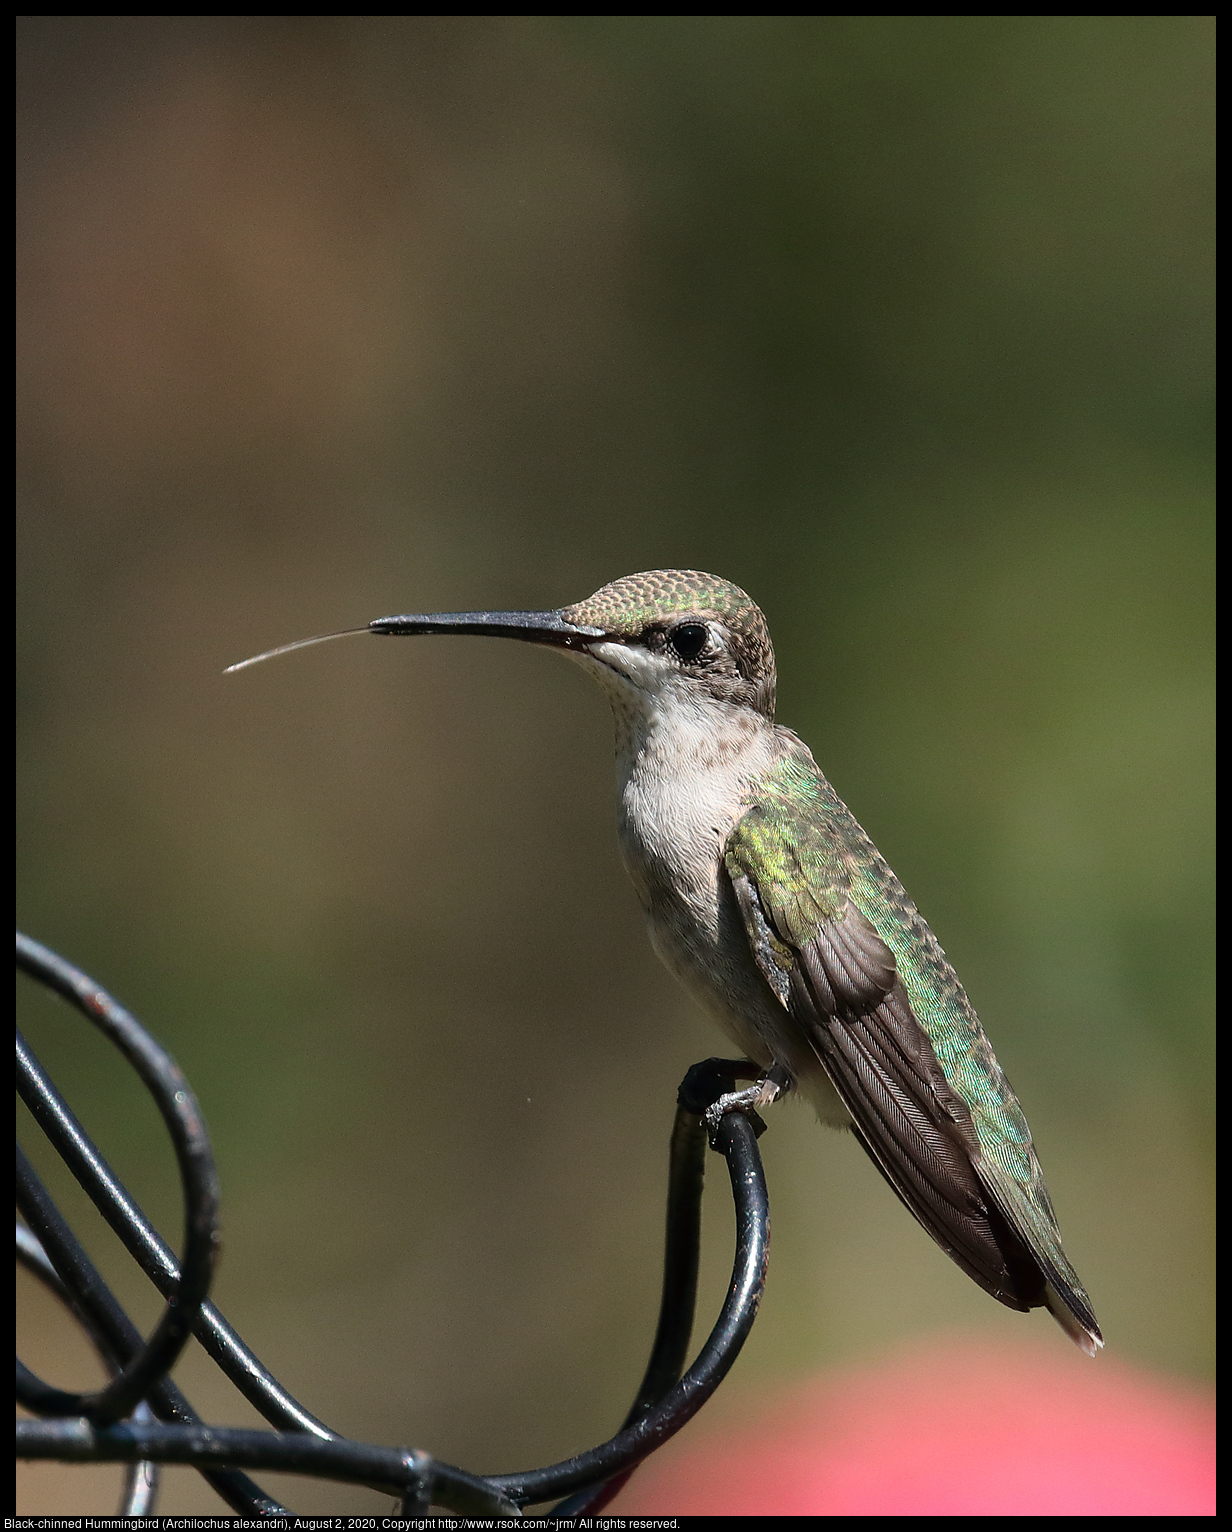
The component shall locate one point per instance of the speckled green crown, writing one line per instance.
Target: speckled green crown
(626, 607)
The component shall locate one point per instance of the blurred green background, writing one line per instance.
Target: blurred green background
(903, 325)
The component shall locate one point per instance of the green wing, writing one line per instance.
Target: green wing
(864, 978)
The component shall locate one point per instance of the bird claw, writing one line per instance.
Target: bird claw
(749, 1101)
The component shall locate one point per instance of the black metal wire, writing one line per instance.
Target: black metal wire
(141, 1479)
(99, 1181)
(162, 1426)
(115, 1330)
(180, 1112)
(703, 1084)
(738, 1144)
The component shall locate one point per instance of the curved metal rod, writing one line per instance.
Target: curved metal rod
(140, 1479)
(410, 1475)
(681, 1258)
(736, 1140)
(96, 1307)
(665, 1401)
(165, 1081)
(701, 1087)
(108, 1194)
(102, 1313)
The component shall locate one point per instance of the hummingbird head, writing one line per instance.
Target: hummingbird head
(654, 639)
(679, 633)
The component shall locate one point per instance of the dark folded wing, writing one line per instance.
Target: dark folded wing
(842, 988)
(917, 1131)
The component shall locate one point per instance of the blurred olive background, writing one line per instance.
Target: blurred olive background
(903, 325)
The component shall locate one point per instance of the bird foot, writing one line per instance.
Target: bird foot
(751, 1100)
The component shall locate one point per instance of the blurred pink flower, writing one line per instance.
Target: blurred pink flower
(956, 1427)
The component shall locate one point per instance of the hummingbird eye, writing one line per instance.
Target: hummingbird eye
(688, 639)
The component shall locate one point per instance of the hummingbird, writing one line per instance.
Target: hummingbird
(770, 904)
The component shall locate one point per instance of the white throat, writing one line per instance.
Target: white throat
(685, 763)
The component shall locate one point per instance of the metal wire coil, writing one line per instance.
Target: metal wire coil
(142, 1419)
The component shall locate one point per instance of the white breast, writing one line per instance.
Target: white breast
(684, 773)
(684, 777)
(686, 767)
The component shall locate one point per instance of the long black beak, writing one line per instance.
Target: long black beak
(531, 627)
